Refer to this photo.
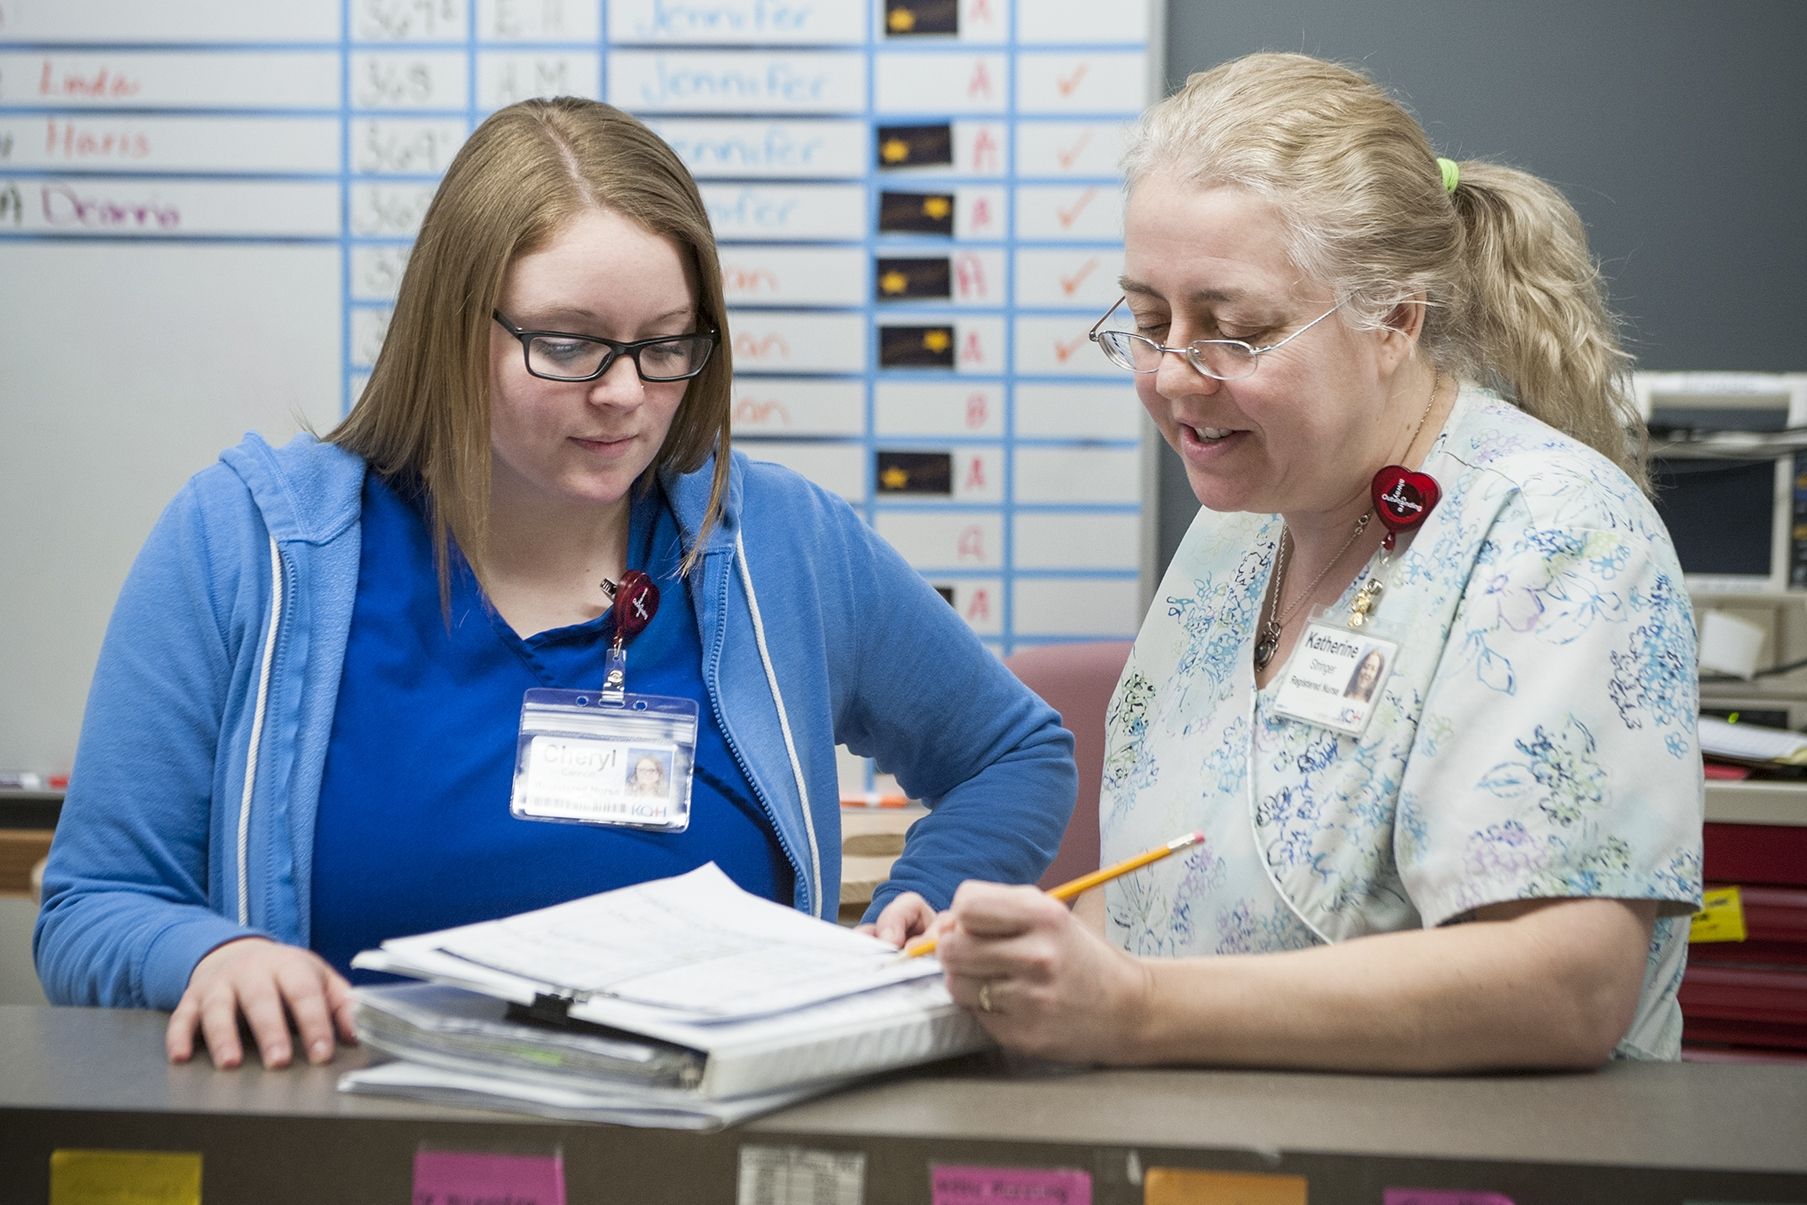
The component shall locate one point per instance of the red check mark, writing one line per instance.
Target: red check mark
(1066, 83)
(1071, 155)
(1070, 284)
(1064, 348)
(1070, 214)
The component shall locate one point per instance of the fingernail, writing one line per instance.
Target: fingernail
(275, 1054)
(318, 1052)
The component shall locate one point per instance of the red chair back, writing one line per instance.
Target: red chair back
(1076, 680)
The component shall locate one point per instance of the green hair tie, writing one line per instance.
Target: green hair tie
(1452, 173)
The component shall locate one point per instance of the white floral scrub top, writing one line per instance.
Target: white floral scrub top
(1534, 740)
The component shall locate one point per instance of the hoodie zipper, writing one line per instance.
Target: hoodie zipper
(711, 686)
(279, 590)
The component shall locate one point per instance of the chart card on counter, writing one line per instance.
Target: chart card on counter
(794, 1175)
(1184, 1186)
(960, 1184)
(443, 1177)
(97, 1177)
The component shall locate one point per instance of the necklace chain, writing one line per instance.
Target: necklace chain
(1270, 632)
(1269, 641)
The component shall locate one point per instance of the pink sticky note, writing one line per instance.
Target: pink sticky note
(953, 1184)
(1442, 1196)
(458, 1177)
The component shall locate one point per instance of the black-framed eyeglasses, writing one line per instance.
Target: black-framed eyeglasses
(558, 356)
(1221, 359)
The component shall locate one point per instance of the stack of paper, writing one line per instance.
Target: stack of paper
(1751, 743)
(682, 1002)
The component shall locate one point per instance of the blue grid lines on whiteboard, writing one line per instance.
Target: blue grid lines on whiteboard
(917, 203)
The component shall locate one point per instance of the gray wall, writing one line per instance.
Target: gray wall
(1673, 126)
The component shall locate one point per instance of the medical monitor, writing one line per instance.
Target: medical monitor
(1730, 483)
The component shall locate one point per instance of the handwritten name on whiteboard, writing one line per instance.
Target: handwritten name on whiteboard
(107, 142)
(762, 275)
(792, 212)
(807, 150)
(749, 21)
(798, 406)
(798, 341)
(171, 79)
(715, 80)
(139, 208)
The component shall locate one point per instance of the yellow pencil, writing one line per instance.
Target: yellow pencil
(1085, 882)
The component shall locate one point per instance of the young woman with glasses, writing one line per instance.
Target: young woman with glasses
(1399, 397)
(302, 736)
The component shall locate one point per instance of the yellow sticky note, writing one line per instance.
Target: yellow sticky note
(1183, 1186)
(1721, 916)
(125, 1178)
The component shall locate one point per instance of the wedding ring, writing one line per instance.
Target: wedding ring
(985, 996)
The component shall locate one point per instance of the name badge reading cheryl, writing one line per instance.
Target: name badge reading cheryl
(1334, 677)
(584, 758)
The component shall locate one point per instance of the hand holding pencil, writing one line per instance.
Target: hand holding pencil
(1040, 979)
(1085, 882)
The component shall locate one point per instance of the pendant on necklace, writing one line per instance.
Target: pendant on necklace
(1264, 651)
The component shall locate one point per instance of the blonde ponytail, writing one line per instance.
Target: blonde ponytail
(1538, 322)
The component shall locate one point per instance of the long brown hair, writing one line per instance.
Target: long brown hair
(1513, 297)
(423, 419)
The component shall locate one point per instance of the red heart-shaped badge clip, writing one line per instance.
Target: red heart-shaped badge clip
(1402, 498)
(636, 602)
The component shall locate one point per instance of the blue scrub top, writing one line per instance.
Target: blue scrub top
(414, 832)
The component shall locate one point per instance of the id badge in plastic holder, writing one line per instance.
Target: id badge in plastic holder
(582, 759)
(1336, 675)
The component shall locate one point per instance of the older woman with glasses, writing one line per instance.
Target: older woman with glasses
(409, 676)
(1398, 395)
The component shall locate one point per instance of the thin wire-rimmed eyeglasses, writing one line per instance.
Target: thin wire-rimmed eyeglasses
(1221, 359)
(557, 356)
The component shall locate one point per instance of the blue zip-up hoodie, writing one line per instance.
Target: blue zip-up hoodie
(190, 815)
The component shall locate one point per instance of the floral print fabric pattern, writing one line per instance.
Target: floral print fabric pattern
(1534, 740)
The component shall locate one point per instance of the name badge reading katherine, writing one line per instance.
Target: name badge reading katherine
(1334, 677)
(584, 758)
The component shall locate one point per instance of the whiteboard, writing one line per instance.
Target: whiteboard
(205, 209)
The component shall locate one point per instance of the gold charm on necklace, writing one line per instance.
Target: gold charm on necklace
(1364, 601)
